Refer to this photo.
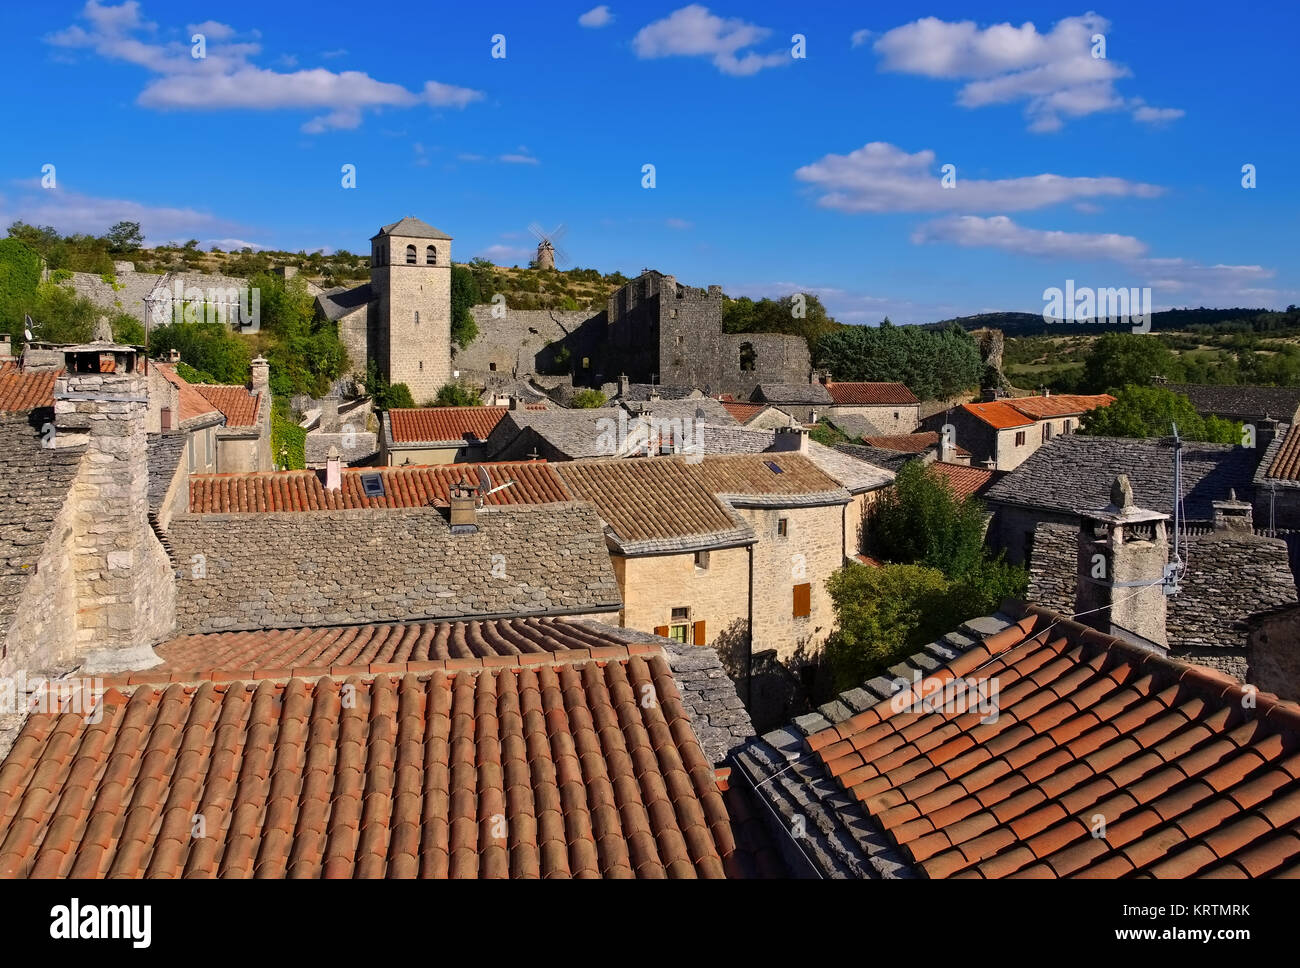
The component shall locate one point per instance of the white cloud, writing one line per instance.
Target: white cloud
(1000, 232)
(234, 245)
(518, 159)
(596, 17)
(859, 37)
(331, 54)
(1149, 115)
(73, 212)
(880, 177)
(678, 223)
(1054, 72)
(212, 30)
(227, 78)
(695, 32)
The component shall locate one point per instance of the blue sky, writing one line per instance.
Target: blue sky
(774, 173)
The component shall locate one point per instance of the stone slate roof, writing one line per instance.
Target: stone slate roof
(852, 473)
(573, 433)
(800, 393)
(164, 454)
(852, 425)
(1194, 779)
(341, 301)
(700, 409)
(289, 570)
(379, 775)
(34, 483)
(640, 392)
(890, 460)
(1240, 402)
(412, 228)
(355, 448)
(1073, 473)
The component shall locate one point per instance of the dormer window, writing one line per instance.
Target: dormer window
(410, 255)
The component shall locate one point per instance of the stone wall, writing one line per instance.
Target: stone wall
(44, 630)
(1052, 575)
(1274, 654)
(810, 552)
(354, 334)
(888, 420)
(718, 596)
(522, 342)
(340, 567)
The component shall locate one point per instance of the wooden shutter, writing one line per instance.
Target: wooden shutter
(661, 631)
(699, 633)
(802, 600)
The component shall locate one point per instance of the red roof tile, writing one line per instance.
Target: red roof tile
(880, 394)
(239, 404)
(192, 402)
(1060, 405)
(743, 412)
(909, 443)
(26, 389)
(1190, 777)
(998, 414)
(445, 423)
(966, 481)
(547, 770)
(404, 487)
(1286, 462)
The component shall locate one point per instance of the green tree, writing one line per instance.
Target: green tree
(62, 316)
(1119, 359)
(799, 314)
(588, 400)
(932, 364)
(212, 348)
(921, 521)
(385, 395)
(881, 615)
(20, 276)
(1140, 411)
(455, 395)
(464, 294)
(124, 237)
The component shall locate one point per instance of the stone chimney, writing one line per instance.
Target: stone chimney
(259, 371)
(464, 507)
(792, 440)
(1233, 515)
(624, 384)
(654, 396)
(333, 470)
(173, 355)
(123, 580)
(6, 349)
(1265, 433)
(329, 415)
(1123, 553)
(947, 449)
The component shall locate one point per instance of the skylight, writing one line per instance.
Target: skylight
(373, 485)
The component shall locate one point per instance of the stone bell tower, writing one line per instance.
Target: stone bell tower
(410, 277)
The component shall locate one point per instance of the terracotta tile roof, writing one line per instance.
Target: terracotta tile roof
(882, 394)
(1191, 779)
(404, 487)
(546, 766)
(193, 404)
(1060, 405)
(26, 389)
(998, 414)
(744, 412)
(438, 424)
(1285, 465)
(966, 481)
(909, 443)
(315, 651)
(238, 404)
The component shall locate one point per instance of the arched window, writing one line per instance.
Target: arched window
(748, 358)
(410, 255)
(431, 256)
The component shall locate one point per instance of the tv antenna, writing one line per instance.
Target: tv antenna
(1175, 568)
(485, 483)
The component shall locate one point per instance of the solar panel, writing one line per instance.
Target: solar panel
(771, 466)
(373, 485)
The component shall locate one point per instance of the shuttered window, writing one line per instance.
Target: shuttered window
(698, 630)
(802, 600)
(661, 631)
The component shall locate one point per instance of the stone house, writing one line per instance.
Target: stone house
(1245, 404)
(884, 408)
(437, 435)
(344, 431)
(1277, 478)
(805, 402)
(1001, 434)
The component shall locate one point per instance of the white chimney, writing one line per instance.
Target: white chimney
(790, 440)
(333, 470)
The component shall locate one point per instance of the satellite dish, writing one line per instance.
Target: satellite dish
(27, 327)
(484, 482)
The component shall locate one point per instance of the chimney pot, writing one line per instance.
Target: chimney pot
(333, 470)
(174, 355)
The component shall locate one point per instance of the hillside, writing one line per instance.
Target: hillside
(1169, 320)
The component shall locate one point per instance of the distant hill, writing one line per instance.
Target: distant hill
(1169, 320)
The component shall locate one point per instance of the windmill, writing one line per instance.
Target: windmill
(548, 253)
